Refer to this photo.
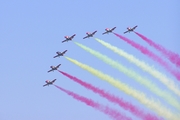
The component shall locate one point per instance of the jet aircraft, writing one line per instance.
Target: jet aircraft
(68, 38)
(89, 34)
(130, 29)
(49, 82)
(60, 54)
(54, 68)
(108, 30)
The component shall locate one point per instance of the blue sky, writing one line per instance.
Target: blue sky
(31, 32)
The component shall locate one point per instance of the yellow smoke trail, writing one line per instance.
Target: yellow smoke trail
(144, 81)
(141, 97)
(144, 66)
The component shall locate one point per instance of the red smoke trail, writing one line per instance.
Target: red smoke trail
(151, 55)
(127, 106)
(105, 109)
(173, 57)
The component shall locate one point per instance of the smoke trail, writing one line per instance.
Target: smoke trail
(144, 66)
(173, 57)
(154, 105)
(125, 105)
(151, 55)
(144, 81)
(105, 109)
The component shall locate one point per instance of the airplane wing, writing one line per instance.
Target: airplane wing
(53, 80)
(126, 31)
(64, 52)
(94, 32)
(105, 32)
(134, 27)
(113, 28)
(50, 70)
(45, 85)
(58, 65)
(64, 41)
(55, 56)
(86, 37)
(72, 36)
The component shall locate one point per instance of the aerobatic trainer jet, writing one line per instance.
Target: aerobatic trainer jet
(108, 30)
(48, 82)
(89, 34)
(130, 29)
(54, 68)
(60, 54)
(68, 38)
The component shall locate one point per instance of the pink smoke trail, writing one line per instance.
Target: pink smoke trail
(151, 55)
(173, 57)
(125, 105)
(105, 109)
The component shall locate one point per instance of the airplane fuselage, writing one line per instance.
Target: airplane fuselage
(54, 68)
(49, 83)
(108, 31)
(60, 54)
(68, 38)
(90, 35)
(130, 30)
